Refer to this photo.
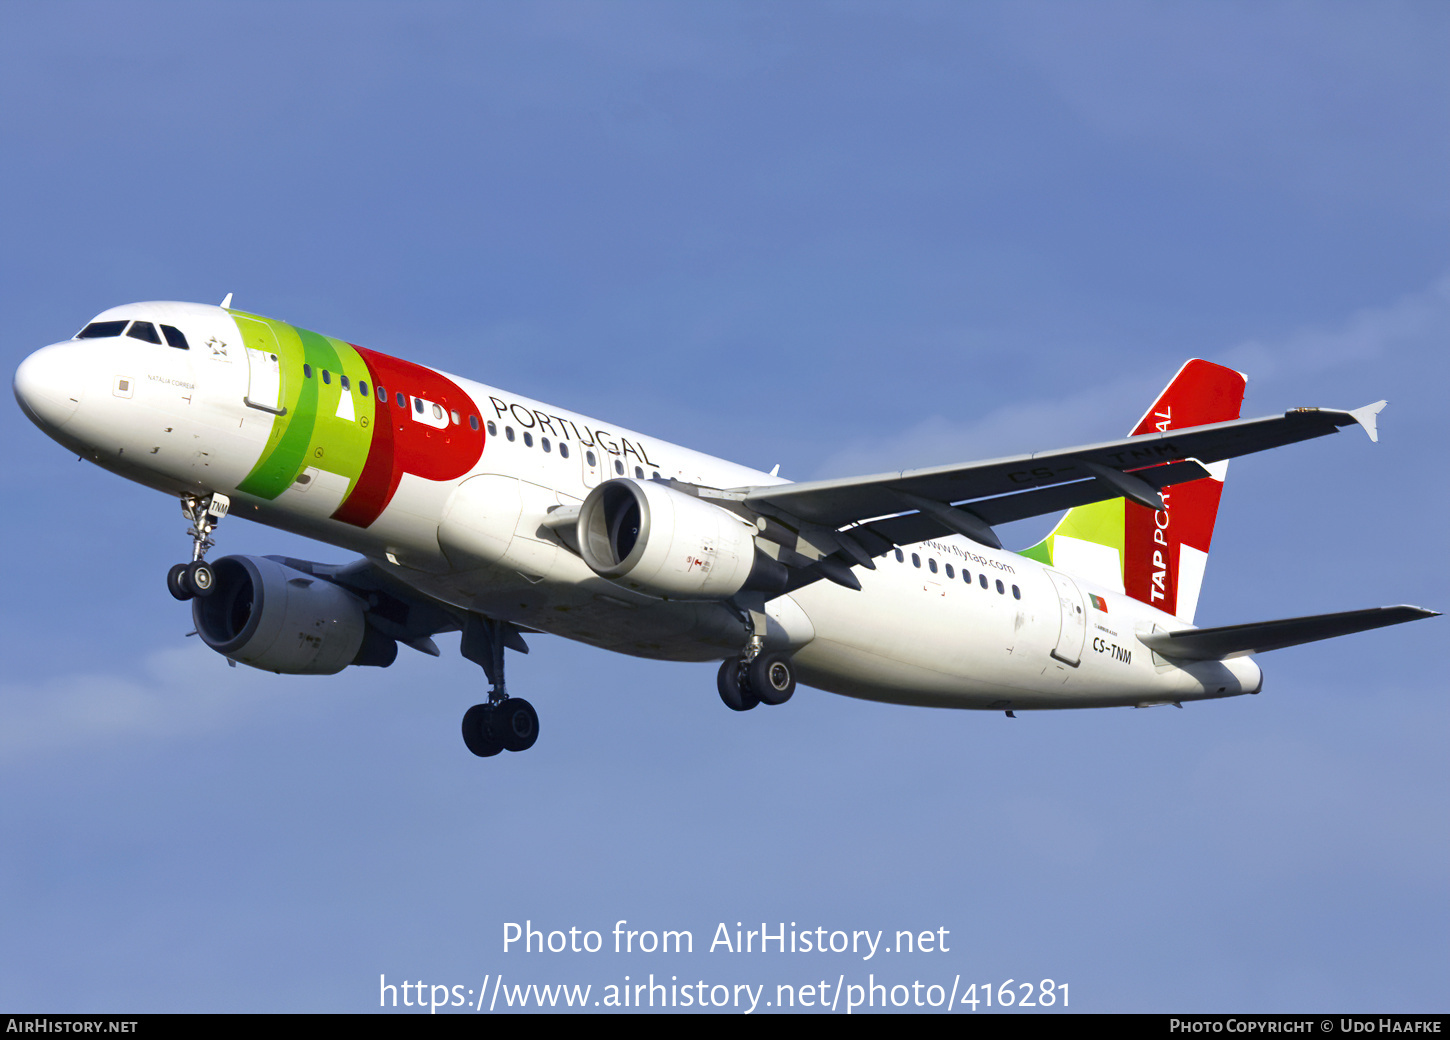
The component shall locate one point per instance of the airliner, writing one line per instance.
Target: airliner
(479, 511)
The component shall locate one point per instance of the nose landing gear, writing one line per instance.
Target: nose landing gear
(189, 580)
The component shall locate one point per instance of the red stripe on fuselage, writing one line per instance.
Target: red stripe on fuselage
(401, 444)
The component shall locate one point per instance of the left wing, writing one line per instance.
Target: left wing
(999, 490)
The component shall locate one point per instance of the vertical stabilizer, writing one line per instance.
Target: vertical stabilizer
(1159, 556)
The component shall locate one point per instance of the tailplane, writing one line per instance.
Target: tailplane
(1215, 644)
(1155, 556)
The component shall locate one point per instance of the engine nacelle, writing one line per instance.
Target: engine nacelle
(651, 538)
(271, 616)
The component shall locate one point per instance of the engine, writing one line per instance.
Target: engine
(271, 616)
(651, 538)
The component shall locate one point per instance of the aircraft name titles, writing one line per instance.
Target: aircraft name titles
(534, 418)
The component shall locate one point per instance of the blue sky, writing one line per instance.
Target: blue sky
(838, 237)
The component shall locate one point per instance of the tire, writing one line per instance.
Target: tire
(736, 695)
(772, 678)
(478, 734)
(176, 583)
(516, 724)
(200, 578)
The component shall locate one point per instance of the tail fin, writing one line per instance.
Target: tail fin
(1155, 557)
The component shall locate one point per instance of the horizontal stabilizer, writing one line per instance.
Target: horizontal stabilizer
(1213, 644)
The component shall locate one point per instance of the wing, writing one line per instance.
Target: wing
(403, 614)
(888, 509)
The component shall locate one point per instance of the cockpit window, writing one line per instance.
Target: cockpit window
(143, 330)
(101, 330)
(174, 337)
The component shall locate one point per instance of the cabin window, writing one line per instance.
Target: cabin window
(528, 439)
(327, 377)
(589, 457)
(306, 371)
(402, 399)
(563, 450)
(639, 473)
(492, 428)
(966, 576)
(437, 411)
(915, 560)
(418, 405)
(174, 337)
(619, 467)
(931, 565)
(508, 431)
(1016, 592)
(899, 557)
(982, 580)
(1000, 589)
(362, 388)
(143, 330)
(101, 330)
(454, 417)
(345, 384)
(383, 394)
(544, 443)
(950, 572)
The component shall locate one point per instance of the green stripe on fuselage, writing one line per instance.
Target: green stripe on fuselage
(311, 433)
(338, 444)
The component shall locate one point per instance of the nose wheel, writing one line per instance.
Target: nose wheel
(196, 579)
(189, 580)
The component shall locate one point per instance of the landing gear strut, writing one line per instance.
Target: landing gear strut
(505, 723)
(188, 580)
(755, 677)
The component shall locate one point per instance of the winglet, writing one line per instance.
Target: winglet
(227, 302)
(1366, 417)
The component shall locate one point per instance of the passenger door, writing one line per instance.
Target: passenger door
(1071, 635)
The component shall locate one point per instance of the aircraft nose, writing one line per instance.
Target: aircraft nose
(48, 386)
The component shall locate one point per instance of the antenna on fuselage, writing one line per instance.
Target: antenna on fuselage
(227, 302)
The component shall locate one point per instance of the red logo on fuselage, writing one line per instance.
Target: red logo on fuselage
(424, 445)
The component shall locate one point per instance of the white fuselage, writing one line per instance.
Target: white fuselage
(949, 623)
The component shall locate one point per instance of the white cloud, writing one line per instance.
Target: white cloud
(1094, 413)
(1417, 322)
(178, 691)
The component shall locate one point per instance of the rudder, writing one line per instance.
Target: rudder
(1156, 557)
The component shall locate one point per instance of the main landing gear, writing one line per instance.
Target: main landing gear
(756, 676)
(763, 679)
(189, 580)
(505, 723)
